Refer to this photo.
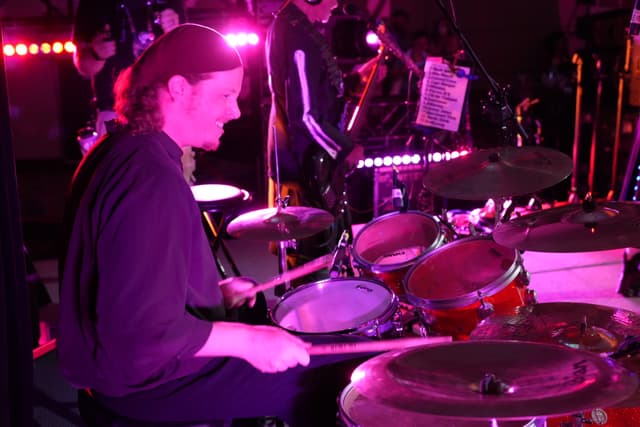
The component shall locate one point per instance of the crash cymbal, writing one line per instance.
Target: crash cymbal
(590, 226)
(493, 379)
(293, 222)
(498, 172)
(590, 327)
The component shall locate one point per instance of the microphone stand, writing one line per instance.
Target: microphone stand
(498, 95)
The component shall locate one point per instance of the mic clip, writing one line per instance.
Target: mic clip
(341, 262)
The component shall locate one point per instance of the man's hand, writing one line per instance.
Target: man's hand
(235, 291)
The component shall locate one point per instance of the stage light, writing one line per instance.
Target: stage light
(69, 47)
(406, 159)
(242, 39)
(21, 49)
(397, 160)
(372, 39)
(34, 49)
(253, 39)
(45, 48)
(387, 161)
(9, 50)
(416, 158)
(368, 163)
(377, 162)
(57, 47)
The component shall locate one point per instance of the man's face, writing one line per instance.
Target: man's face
(213, 103)
(322, 12)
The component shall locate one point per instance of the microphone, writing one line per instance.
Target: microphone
(397, 191)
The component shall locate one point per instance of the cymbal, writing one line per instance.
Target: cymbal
(498, 172)
(590, 327)
(292, 222)
(493, 379)
(583, 227)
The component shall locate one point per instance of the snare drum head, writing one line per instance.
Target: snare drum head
(333, 305)
(395, 240)
(462, 268)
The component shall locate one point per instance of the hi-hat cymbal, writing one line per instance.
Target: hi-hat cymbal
(493, 379)
(498, 172)
(590, 226)
(293, 222)
(590, 327)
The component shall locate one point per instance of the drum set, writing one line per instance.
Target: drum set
(512, 361)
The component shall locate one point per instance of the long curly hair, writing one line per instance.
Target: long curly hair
(138, 106)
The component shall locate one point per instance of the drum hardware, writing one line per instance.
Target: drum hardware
(486, 309)
(591, 226)
(216, 203)
(498, 172)
(341, 260)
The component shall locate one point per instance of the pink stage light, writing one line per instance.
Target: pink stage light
(69, 46)
(372, 39)
(34, 49)
(242, 39)
(45, 48)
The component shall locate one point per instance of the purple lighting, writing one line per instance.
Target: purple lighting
(372, 39)
(242, 39)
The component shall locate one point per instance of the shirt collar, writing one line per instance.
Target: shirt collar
(174, 150)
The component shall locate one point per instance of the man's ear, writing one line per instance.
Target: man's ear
(178, 87)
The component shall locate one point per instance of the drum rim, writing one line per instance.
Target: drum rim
(385, 268)
(463, 300)
(383, 318)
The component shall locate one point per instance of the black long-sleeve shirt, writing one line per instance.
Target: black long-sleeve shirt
(138, 277)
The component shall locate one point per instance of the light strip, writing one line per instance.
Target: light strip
(25, 49)
(410, 159)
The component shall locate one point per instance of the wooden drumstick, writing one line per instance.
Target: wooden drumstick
(374, 346)
(303, 270)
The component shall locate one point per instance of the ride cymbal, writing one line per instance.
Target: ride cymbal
(498, 172)
(271, 224)
(590, 226)
(590, 327)
(493, 379)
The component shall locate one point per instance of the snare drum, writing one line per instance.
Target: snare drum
(356, 410)
(342, 305)
(465, 281)
(386, 247)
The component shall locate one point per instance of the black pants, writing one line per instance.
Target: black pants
(302, 396)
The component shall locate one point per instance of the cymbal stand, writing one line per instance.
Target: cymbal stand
(497, 94)
(573, 192)
(281, 203)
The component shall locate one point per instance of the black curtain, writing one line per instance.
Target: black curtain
(16, 365)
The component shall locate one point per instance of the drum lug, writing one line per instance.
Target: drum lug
(525, 276)
(530, 297)
(397, 324)
(486, 309)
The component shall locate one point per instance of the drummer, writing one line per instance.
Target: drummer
(143, 321)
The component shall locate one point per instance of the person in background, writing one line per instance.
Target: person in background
(144, 321)
(307, 121)
(109, 35)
